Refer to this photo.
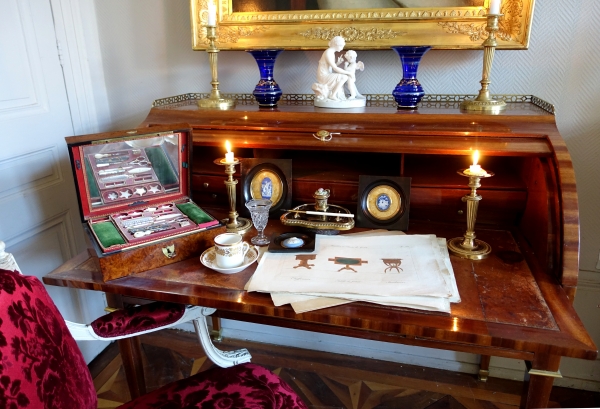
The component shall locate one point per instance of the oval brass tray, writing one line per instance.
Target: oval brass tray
(318, 222)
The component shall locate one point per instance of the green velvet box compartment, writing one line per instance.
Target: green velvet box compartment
(133, 189)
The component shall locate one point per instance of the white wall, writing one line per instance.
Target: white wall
(146, 54)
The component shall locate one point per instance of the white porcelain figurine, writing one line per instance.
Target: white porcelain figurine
(330, 91)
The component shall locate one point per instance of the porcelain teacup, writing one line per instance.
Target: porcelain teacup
(230, 250)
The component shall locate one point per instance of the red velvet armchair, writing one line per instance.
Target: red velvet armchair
(42, 367)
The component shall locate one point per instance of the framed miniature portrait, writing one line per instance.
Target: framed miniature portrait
(383, 202)
(266, 179)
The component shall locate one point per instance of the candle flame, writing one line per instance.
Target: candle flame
(228, 146)
(475, 157)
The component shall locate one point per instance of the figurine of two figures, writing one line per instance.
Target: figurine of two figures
(333, 81)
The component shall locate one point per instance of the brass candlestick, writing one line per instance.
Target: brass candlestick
(214, 101)
(484, 103)
(233, 224)
(468, 246)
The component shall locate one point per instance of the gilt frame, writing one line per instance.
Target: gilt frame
(364, 29)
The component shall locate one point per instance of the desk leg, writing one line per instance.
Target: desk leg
(484, 368)
(217, 331)
(131, 354)
(132, 363)
(543, 370)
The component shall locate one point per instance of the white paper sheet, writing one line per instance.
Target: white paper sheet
(308, 302)
(359, 266)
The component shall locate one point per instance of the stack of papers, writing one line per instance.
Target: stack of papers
(387, 268)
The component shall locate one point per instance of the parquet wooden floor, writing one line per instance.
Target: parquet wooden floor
(324, 380)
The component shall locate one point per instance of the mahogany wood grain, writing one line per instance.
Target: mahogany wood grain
(144, 258)
(522, 131)
(539, 387)
(131, 356)
(509, 307)
(485, 318)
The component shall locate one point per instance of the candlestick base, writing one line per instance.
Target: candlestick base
(217, 103)
(241, 225)
(488, 106)
(479, 251)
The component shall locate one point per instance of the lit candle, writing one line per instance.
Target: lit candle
(495, 6)
(229, 155)
(475, 169)
(212, 14)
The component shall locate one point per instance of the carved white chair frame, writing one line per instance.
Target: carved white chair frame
(196, 314)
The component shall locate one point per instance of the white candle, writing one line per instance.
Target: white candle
(229, 155)
(475, 169)
(495, 6)
(212, 14)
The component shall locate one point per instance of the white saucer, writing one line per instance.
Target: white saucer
(209, 259)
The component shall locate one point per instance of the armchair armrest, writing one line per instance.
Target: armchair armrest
(136, 320)
(143, 319)
(152, 317)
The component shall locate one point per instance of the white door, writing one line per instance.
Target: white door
(39, 217)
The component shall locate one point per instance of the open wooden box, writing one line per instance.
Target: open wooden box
(133, 190)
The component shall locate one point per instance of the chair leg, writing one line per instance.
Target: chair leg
(224, 359)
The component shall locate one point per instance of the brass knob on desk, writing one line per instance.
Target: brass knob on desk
(325, 136)
(205, 185)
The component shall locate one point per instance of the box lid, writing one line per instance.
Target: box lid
(116, 171)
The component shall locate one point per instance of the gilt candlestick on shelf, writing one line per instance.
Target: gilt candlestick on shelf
(214, 101)
(483, 102)
(233, 224)
(468, 246)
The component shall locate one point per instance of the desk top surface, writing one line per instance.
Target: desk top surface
(506, 304)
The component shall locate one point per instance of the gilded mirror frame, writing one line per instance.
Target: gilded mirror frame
(363, 29)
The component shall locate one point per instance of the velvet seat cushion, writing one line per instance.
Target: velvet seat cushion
(40, 363)
(246, 386)
(137, 319)
(42, 367)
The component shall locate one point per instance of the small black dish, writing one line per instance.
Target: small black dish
(308, 246)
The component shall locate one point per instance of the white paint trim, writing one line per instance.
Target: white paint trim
(38, 99)
(589, 280)
(53, 177)
(63, 221)
(403, 354)
(412, 355)
(73, 52)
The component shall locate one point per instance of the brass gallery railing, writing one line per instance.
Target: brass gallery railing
(380, 100)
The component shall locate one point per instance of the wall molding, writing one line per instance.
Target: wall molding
(62, 221)
(37, 100)
(403, 354)
(49, 174)
(69, 27)
(588, 280)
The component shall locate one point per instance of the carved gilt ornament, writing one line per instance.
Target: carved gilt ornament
(440, 27)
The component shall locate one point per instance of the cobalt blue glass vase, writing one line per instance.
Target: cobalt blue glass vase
(267, 92)
(409, 91)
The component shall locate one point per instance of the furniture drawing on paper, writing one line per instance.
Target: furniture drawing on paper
(43, 367)
(528, 215)
(304, 259)
(346, 262)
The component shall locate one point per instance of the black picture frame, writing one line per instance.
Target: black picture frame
(383, 202)
(254, 173)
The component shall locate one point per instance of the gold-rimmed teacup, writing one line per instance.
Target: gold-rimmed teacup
(230, 250)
